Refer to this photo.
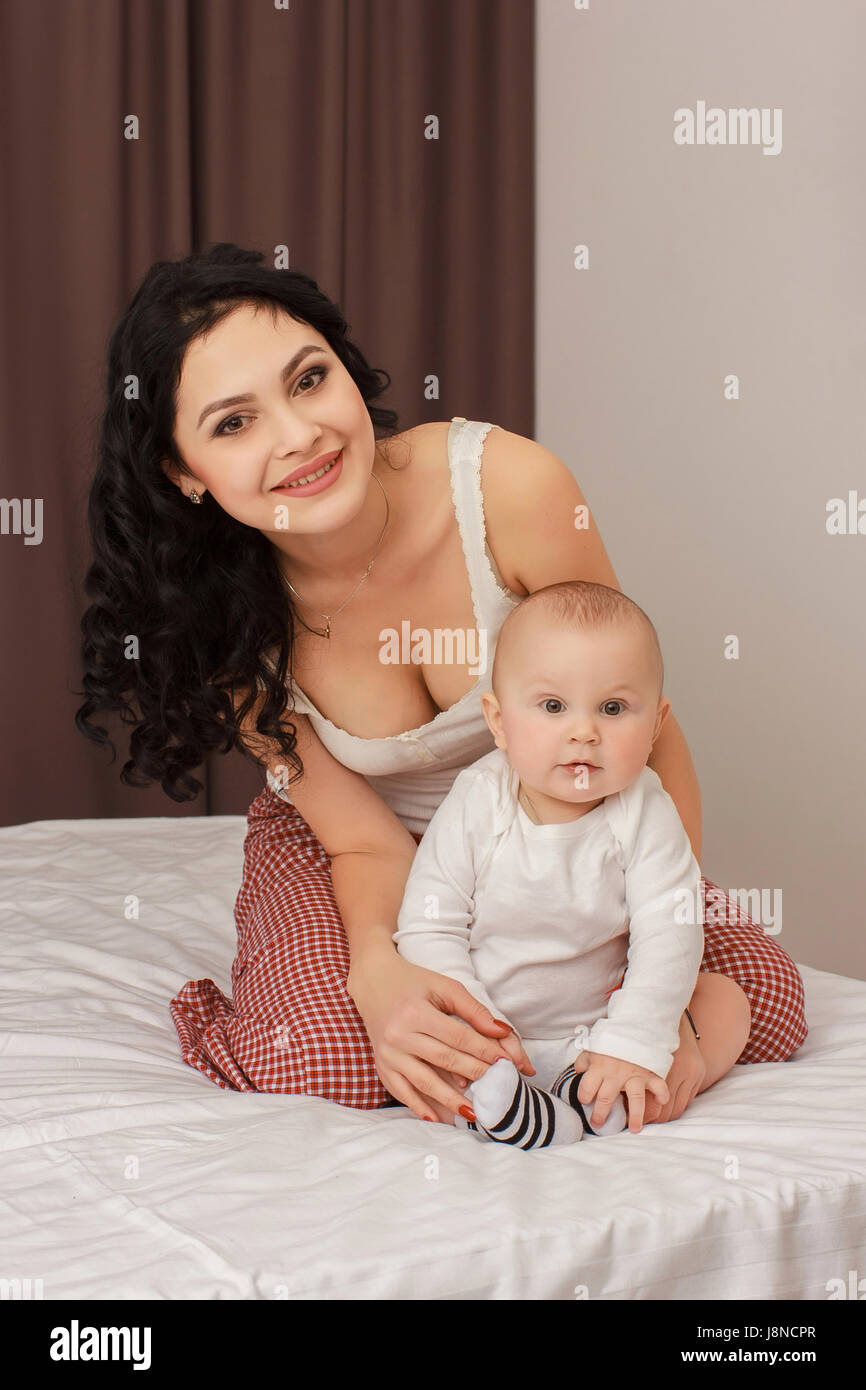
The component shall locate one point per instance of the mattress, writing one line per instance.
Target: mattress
(127, 1174)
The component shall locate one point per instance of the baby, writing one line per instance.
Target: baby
(556, 881)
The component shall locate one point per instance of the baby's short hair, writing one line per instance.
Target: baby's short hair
(580, 604)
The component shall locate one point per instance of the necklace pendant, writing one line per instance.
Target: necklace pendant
(327, 632)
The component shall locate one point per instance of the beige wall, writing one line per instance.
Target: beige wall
(707, 260)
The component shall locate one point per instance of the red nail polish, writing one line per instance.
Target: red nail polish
(502, 1024)
(466, 1112)
(429, 1117)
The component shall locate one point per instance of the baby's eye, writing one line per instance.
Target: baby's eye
(608, 703)
(553, 701)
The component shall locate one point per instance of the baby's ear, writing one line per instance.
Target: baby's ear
(490, 710)
(664, 710)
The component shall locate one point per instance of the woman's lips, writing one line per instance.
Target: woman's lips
(327, 478)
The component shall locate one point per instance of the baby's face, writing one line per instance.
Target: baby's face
(569, 697)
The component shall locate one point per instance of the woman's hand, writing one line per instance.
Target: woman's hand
(420, 1052)
(684, 1080)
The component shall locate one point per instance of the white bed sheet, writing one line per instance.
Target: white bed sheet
(127, 1174)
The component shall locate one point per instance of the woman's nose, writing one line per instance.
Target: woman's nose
(291, 436)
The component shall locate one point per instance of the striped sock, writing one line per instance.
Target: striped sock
(565, 1086)
(509, 1110)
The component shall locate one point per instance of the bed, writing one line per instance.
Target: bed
(127, 1174)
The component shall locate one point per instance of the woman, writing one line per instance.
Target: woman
(227, 382)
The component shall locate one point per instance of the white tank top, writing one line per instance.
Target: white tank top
(413, 771)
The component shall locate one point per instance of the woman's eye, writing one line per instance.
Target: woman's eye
(314, 371)
(607, 703)
(222, 428)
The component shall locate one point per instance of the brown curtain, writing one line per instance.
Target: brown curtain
(307, 125)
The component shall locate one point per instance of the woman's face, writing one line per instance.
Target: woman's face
(297, 406)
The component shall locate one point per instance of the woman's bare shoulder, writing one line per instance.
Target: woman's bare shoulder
(419, 445)
(503, 459)
(425, 436)
(534, 507)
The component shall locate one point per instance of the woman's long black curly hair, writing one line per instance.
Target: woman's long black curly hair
(188, 601)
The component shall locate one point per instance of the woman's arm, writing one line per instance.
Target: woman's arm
(671, 761)
(368, 890)
(423, 1027)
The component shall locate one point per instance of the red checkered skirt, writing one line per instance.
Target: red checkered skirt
(290, 1026)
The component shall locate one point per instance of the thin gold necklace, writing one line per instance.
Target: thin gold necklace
(327, 632)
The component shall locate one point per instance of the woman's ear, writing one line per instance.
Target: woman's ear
(171, 471)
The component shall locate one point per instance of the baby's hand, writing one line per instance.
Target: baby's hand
(603, 1079)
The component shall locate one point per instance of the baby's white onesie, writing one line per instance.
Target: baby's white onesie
(539, 922)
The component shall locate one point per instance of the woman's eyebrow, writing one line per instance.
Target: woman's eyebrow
(242, 400)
